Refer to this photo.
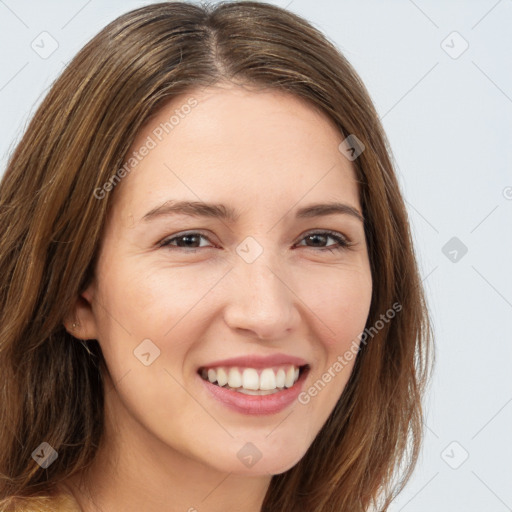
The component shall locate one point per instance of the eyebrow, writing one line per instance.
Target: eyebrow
(221, 211)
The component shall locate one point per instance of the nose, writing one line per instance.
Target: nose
(262, 303)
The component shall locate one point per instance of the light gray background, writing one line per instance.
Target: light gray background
(449, 121)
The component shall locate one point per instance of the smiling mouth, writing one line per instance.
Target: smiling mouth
(254, 381)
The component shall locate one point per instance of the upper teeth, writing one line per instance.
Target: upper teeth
(250, 378)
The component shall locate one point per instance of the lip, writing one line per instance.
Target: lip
(256, 362)
(256, 404)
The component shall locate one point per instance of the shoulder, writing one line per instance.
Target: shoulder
(62, 502)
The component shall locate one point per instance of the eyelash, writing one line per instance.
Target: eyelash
(342, 242)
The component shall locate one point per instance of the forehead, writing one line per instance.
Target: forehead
(240, 146)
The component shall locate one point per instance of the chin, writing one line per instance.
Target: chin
(263, 461)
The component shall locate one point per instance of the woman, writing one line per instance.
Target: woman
(210, 298)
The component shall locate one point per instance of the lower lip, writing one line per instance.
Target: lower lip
(256, 404)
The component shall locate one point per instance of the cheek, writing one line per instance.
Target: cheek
(139, 305)
(169, 306)
(340, 301)
(154, 299)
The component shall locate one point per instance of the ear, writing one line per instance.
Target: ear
(81, 322)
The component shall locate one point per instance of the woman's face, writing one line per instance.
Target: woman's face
(252, 275)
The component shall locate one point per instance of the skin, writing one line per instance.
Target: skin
(169, 445)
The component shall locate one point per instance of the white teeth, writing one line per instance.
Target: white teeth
(280, 378)
(249, 381)
(259, 392)
(267, 379)
(290, 375)
(222, 377)
(234, 378)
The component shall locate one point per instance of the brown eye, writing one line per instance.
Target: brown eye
(184, 241)
(316, 240)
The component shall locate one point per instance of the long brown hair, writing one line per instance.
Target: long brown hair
(52, 222)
